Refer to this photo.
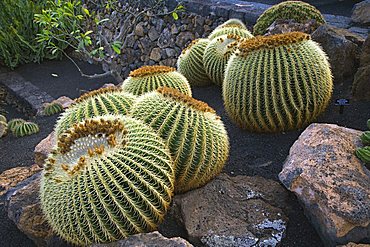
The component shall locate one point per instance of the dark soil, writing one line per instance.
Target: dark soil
(251, 154)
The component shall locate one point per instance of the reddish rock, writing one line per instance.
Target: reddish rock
(287, 26)
(10, 178)
(43, 149)
(152, 239)
(330, 182)
(354, 245)
(234, 211)
(64, 101)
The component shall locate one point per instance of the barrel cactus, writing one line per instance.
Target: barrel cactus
(216, 55)
(3, 128)
(25, 129)
(3, 118)
(52, 108)
(190, 63)
(296, 10)
(95, 103)
(276, 83)
(108, 177)
(194, 134)
(14, 122)
(149, 78)
(232, 26)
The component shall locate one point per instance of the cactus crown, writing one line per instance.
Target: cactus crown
(97, 92)
(192, 43)
(227, 46)
(187, 100)
(99, 128)
(270, 42)
(151, 70)
(232, 23)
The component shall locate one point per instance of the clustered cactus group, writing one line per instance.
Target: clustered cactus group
(364, 153)
(123, 152)
(18, 127)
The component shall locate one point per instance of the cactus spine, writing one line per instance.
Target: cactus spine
(109, 177)
(296, 10)
(277, 82)
(25, 129)
(95, 103)
(52, 108)
(190, 63)
(216, 55)
(194, 134)
(232, 26)
(149, 78)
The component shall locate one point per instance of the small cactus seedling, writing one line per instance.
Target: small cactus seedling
(149, 78)
(95, 103)
(25, 129)
(194, 133)
(296, 10)
(14, 122)
(232, 26)
(364, 154)
(216, 55)
(3, 118)
(190, 63)
(3, 128)
(52, 108)
(277, 83)
(109, 177)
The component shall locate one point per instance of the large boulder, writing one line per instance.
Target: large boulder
(360, 13)
(361, 81)
(342, 48)
(234, 211)
(153, 239)
(330, 182)
(24, 209)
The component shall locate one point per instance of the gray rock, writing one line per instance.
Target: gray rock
(153, 34)
(286, 26)
(365, 52)
(331, 182)
(234, 211)
(153, 239)
(139, 29)
(165, 39)
(184, 38)
(155, 54)
(130, 41)
(174, 29)
(171, 62)
(145, 45)
(361, 13)
(171, 53)
(341, 51)
(361, 83)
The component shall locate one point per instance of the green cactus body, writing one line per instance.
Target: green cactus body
(3, 118)
(190, 63)
(14, 122)
(95, 103)
(364, 154)
(296, 10)
(277, 83)
(368, 124)
(3, 128)
(194, 134)
(238, 29)
(216, 55)
(109, 177)
(365, 138)
(149, 78)
(52, 108)
(25, 129)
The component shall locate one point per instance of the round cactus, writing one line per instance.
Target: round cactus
(276, 83)
(52, 108)
(149, 78)
(216, 55)
(3, 128)
(25, 129)
(14, 122)
(232, 26)
(190, 63)
(109, 177)
(296, 10)
(95, 103)
(194, 134)
(3, 118)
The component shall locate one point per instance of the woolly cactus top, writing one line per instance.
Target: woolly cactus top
(96, 92)
(227, 44)
(232, 23)
(270, 42)
(189, 101)
(151, 70)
